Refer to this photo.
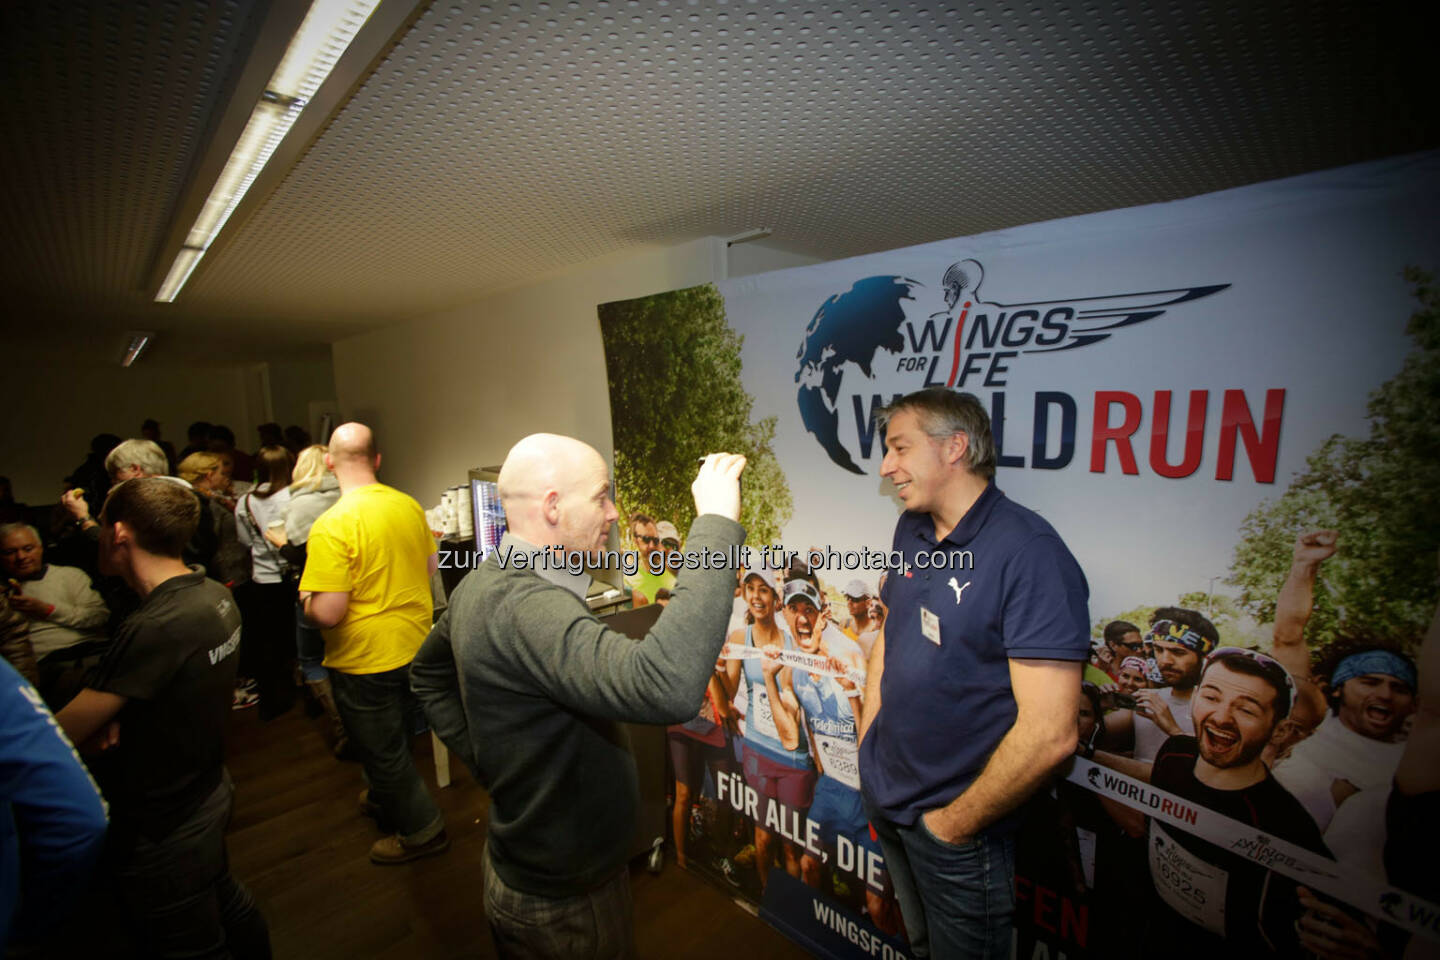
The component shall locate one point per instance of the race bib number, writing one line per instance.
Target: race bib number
(762, 720)
(840, 760)
(1192, 887)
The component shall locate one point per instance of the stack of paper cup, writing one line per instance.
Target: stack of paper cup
(465, 511)
(449, 526)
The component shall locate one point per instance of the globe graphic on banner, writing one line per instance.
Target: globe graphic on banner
(849, 328)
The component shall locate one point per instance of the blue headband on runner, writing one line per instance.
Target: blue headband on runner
(1374, 661)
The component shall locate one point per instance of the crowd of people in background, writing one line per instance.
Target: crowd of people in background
(159, 594)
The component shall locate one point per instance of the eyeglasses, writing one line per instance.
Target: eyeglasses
(652, 541)
(1136, 645)
(669, 544)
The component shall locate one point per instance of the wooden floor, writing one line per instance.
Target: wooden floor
(299, 843)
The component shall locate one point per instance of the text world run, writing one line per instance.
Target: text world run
(1246, 422)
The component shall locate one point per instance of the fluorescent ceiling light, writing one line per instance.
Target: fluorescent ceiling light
(179, 272)
(759, 233)
(313, 52)
(136, 342)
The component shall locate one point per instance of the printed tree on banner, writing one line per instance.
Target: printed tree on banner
(1381, 492)
(675, 394)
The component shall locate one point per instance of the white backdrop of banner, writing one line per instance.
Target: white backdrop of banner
(1315, 306)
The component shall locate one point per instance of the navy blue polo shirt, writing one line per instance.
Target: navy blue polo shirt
(945, 707)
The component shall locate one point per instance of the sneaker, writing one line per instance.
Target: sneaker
(244, 698)
(391, 850)
(732, 876)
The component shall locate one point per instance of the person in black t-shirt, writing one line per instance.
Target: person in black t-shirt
(1213, 901)
(157, 705)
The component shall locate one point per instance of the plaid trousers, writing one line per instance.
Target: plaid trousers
(598, 925)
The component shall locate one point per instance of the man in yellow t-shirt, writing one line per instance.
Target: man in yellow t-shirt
(367, 586)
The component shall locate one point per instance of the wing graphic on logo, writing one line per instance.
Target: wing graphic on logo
(1094, 316)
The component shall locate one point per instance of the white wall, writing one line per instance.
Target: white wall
(453, 391)
(294, 383)
(53, 408)
(756, 256)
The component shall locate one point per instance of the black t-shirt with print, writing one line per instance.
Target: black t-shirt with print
(174, 660)
(1203, 888)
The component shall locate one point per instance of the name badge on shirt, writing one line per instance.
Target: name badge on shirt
(930, 626)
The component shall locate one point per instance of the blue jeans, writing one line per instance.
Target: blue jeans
(179, 894)
(957, 900)
(374, 708)
(309, 648)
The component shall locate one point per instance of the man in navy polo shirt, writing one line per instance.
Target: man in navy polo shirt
(974, 682)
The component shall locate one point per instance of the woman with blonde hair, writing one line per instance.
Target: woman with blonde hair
(230, 562)
(203, 471)
(313, 489)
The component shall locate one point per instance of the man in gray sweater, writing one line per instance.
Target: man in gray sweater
(529, 688)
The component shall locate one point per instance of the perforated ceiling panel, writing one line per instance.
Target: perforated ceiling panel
(498, 141)
(104, 108)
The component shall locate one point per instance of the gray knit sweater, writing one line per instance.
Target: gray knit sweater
(529, 688)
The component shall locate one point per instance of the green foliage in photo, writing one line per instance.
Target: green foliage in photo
(675, 395)
(1381, 493)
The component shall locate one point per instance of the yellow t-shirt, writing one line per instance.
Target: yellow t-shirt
(375, 545)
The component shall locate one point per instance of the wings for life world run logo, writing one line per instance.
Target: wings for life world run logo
(973, 345)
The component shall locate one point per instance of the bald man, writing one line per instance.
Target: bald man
(367, 587)
(524, 684)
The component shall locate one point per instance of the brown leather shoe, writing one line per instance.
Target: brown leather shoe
(390, 850)
(368, 807)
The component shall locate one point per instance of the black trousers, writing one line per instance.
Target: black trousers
(178, 892)
(267, 644)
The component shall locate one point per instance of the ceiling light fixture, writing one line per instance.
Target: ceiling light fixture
(135, 343)
(759, 233)
(324, 35)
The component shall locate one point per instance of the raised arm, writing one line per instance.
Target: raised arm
(1047, 698)
(604, 673)
(1292, 612)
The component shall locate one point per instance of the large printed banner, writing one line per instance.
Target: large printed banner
(1229, 408)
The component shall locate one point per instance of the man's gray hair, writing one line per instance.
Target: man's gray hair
(8, 528)
(944, 413)
(145, 454)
